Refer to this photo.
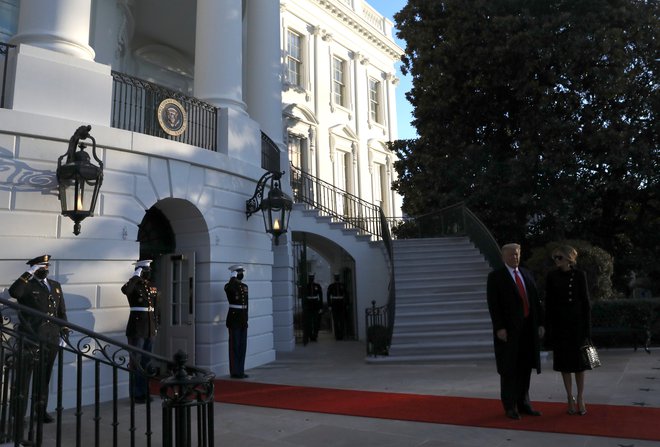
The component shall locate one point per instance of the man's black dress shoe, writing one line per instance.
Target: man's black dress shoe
(529, 411)
(512, 414)
(239, 376)
(48, 419)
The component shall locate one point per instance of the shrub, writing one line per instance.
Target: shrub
(642, 316)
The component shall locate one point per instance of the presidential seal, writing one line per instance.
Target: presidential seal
(172, 117)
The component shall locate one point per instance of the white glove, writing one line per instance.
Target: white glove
(137, 272)
(34, 268)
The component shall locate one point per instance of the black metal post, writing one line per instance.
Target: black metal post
(181, 393)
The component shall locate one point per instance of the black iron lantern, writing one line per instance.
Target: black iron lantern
(78, 179)
(276, 207)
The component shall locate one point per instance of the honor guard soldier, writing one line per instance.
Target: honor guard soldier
(237, 321)
(143, 299)
(312, 310)
(34, 289)
(338, 304)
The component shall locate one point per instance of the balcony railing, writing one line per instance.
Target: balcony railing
(94, 369)
(270, 154)
(135, 107)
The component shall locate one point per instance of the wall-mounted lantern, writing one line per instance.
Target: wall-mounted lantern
(276, 207)
(78, 179)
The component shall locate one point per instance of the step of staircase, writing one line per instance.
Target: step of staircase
(441, 311)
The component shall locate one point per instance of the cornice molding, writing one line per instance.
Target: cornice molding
(347, 16)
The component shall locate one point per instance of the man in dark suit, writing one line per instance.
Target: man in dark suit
(33, 289)
(142, 325)
(517, 317)
(237, 321)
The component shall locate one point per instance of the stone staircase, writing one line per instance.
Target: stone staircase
(441, 308)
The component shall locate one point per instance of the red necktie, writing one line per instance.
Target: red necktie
(523, 294)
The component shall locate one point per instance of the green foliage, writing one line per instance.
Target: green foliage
(642, 316)
(405, 229)
(540, 115)
(594, 261)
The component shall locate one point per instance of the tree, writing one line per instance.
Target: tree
(541, 116)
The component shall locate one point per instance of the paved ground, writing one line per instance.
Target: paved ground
(626, 378)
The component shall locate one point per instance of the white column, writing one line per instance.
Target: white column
(218, 53)
(57, 25)
(390, 99)
(8, 19)
(263, 91)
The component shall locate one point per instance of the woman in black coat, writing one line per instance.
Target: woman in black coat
(568, 325)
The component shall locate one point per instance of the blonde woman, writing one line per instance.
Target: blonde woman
(568, 323)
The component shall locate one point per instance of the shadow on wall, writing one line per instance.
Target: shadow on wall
(19, 176)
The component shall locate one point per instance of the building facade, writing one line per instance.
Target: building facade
(315, 78)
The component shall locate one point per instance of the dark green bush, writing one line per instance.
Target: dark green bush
(595, 261)
(405, 229)
(643, 316)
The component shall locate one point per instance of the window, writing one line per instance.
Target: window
(295, 151)
(374, 100)
(294, 58)
(339, 81)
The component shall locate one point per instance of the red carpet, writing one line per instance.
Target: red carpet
(613, 421)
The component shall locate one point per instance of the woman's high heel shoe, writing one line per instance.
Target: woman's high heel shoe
(582, 408)
(571, 406)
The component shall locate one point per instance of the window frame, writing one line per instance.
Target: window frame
(375, 100)
(339, 87)
(297, 59)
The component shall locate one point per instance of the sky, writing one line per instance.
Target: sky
(403, 108)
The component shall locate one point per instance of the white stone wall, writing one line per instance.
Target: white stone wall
(203, 193)
(139, 171)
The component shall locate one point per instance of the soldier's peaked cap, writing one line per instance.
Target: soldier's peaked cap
(144, 263)
(43, 259)
(236, 268)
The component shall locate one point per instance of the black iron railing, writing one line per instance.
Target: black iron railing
(94, 369)
(4, 61)
(270, 154)
(379, 334)
(454, 220)
(391, 299)
(336, 203)
(135, 107)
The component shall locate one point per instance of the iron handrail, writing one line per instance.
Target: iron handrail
(336, 203)
(391, 298)
(86, 345)
(455, 220)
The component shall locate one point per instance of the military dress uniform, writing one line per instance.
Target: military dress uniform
(43, 295)
(338, 303)
(237, 321)
(142, 325)
(312, 310)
